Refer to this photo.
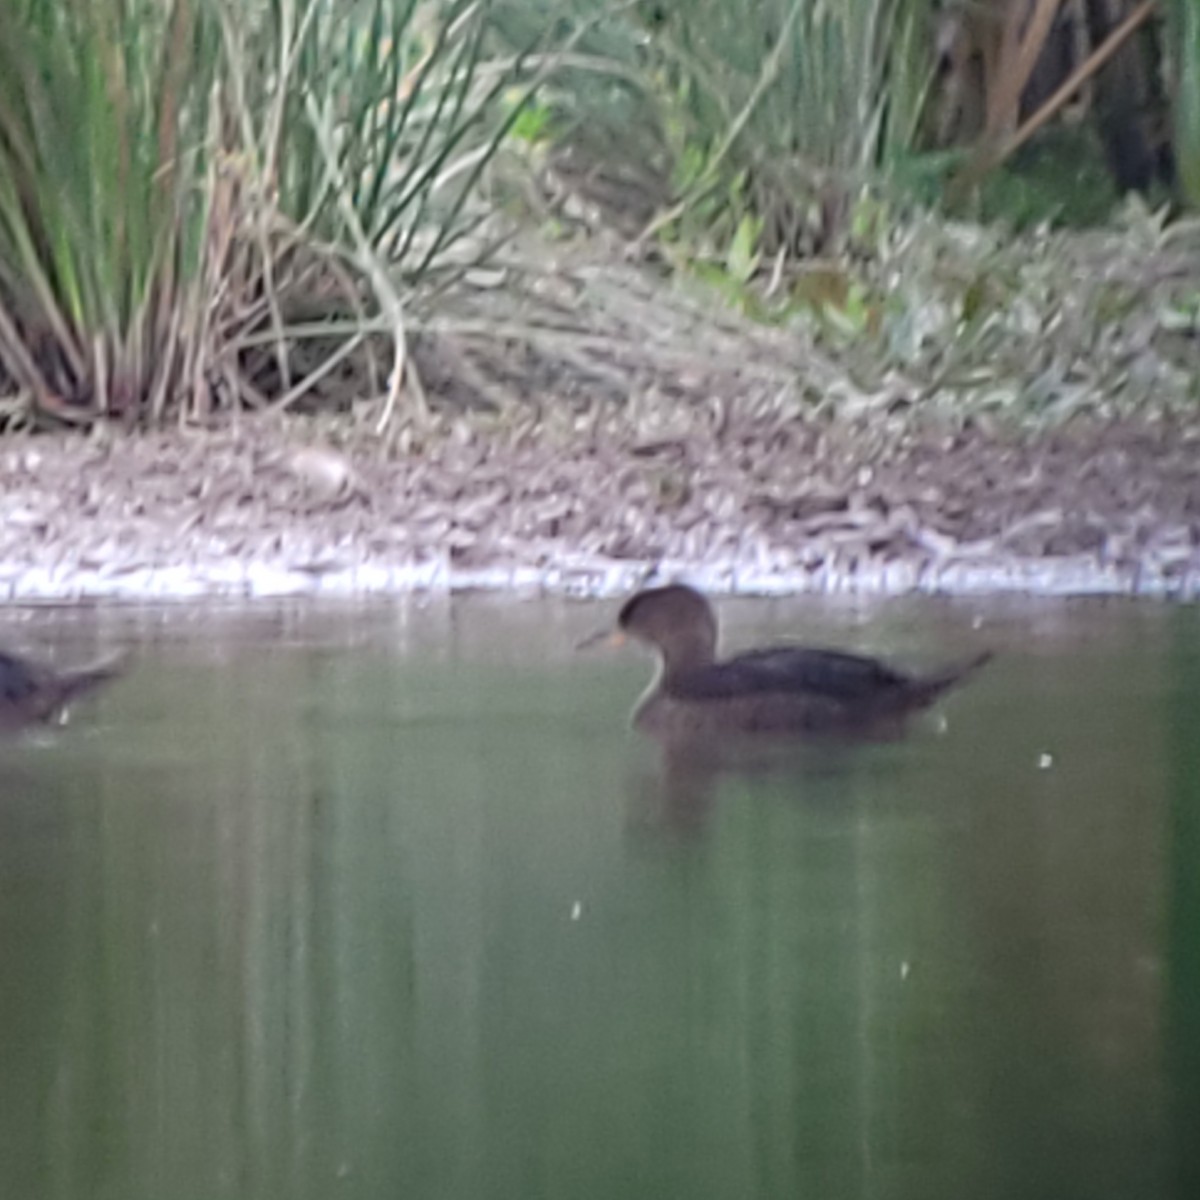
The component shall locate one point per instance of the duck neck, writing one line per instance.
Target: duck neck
(685, 653)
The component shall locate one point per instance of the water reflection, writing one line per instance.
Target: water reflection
(678, 792)
(1181, 1051)
(372, 905)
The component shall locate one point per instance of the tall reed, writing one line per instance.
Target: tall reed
(780, 109)
(1183, 21)
(186, 182)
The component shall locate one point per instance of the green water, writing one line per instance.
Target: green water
(385, 902)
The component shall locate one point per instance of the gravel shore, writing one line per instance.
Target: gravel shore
(733, 501)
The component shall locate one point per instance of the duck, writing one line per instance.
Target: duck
(780, 690)
(33, 693)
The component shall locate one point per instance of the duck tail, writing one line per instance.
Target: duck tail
(929, 688)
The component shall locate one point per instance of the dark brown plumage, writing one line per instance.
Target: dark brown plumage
(32, 693)
(783, 690)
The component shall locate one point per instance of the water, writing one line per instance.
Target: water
(386, 902)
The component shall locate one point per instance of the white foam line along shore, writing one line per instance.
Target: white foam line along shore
(231, 577)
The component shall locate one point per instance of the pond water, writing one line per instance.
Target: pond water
(387, 902)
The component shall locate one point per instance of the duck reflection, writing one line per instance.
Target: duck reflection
(32, 693)
(676, 793)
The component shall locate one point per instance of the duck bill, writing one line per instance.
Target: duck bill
(602, 637)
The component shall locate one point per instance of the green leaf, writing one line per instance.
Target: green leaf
(741, 259)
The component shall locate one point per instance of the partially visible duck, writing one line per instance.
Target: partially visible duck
(33, 693)
(786, 690)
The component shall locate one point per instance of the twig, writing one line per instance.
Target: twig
(991, 156)
(318, 373)
(1028, 47)
(1085, 71)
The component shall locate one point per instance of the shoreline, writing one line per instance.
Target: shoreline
(234, 579)
(768, 507)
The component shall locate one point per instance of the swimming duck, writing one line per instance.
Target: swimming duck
(32, 693)
(781, 690)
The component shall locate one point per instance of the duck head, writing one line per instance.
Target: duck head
(676, 621)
